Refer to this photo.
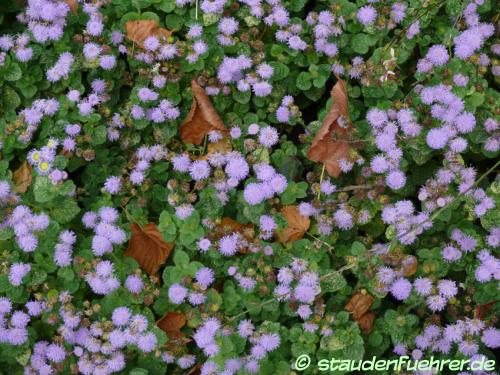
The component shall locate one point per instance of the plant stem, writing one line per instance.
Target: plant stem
(439, 211)
(321, 180)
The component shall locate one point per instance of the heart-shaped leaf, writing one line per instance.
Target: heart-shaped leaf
(171, 323)
(297, 225)
(359, 304)
(366, 322)
(148, 247)
(73, 5)
(201, 119)
(137, 31)
(22, 178)
(329, 145)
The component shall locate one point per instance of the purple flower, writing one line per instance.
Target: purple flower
(267, 223)
(246, 283)
(184, 211)
(134, 284)
(401, 289)
(304, 311)
(147, 342)
(55, 353)
(265, 71)
(376, 118)
(177, 293)
(205, 277)
(228, 245)
(253, 193)
(245, 328)
(447, 288)
(395, 179)
(423, 286)
(151, 43)
(386, 275)
(269, 341)
(491, 338)
(465, 122)
(121, 316)
(436, 303)
(107, 62)
(366, 15)
(112, 185)
(343, 219)
(17, 272)
(186, 361)
(228, 25)
(181, 163)
(5, 305)
(199, 170)
(204, 244)
(196, 299)
(237, 168)
(305, 293)
(195, 31)
(438, 55)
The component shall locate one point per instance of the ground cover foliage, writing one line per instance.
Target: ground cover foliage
(219, 186)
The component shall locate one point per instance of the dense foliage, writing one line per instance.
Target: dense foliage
(221, 186)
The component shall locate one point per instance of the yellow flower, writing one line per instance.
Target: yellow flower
(44, 166)
(36, 156)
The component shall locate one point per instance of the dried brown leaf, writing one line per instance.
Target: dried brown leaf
(137, 31)
(223, 146)
(195, 370)
(229, 225)
(73, 5)
(201, 119)
(359, 304)
(366, 322)
(297, 225)
(329, 146)
(22, 178)
(148, 247)
(481, 310)
(171, 323)
(409, 266)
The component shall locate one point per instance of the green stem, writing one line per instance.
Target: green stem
(267, 302)
(321, 180)
(439, 211)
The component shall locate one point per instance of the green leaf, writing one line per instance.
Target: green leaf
(138, 371)
(66, 273)
(44, 190)
(294, 191)
(357, 248)
(167, 6)
(4, 284)
(296, 5)
(333, 282)
(12, 73)
(65, 210)
(10, 99)
(173, 22)
(167, 226)
(361, 43)
(280, 71)
(181, 258)
(242, 97)
(304, 81)
(475, 100)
